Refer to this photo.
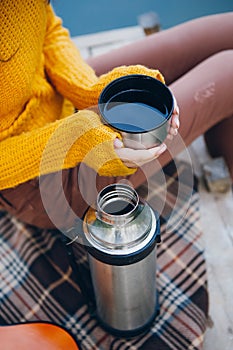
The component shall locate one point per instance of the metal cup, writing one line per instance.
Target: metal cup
(139, 107)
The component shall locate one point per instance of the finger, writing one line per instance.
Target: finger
(173, 131)
(176, 107)
(134, 158)
(169, 137)
(175, 121)
(118, 143)
(173, 127)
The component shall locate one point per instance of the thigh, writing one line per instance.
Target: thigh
(55, 200)
(173, 51)
(204, 96)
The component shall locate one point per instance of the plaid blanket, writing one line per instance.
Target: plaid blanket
(43, 280)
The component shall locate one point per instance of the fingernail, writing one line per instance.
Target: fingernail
(177, 121)
(118, 143)
(169, 137)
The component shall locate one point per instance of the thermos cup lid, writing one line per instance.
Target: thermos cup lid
(136, 103)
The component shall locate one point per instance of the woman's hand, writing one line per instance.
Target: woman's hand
(137, 157)
(174, 121)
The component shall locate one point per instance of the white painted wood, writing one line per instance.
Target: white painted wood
(98, 50)
(111, 36)
(99, 43)
(85, 52)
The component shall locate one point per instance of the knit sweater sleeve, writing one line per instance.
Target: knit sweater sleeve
(60, 145)
(71, 75)
(79, 138)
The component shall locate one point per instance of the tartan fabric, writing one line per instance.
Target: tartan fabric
(41, 280)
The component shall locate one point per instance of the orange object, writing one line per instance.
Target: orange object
(36, 336)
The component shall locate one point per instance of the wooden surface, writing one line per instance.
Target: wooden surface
(216, 212)
(217, 224)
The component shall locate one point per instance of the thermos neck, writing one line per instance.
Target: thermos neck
(119, 223)
(117, 204)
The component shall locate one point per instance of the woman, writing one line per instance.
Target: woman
(42, 70)
(43, 78)
(38, 66)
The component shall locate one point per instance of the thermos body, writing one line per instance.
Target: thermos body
(125, 295)
(121, 234)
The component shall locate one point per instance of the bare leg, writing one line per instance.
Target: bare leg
(173, 51)
(204, 95)
(189, 55)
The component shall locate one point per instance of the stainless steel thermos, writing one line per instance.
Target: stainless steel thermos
(121, 233)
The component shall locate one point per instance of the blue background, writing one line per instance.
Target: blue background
(89, 16)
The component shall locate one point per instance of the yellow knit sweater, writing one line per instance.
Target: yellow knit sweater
(42, 76)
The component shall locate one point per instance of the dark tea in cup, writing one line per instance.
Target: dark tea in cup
(139, 107)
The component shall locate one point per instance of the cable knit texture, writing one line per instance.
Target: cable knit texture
(42, 78)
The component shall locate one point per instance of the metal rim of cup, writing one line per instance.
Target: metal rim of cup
(102, 102)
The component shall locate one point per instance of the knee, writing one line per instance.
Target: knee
(223, 59)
